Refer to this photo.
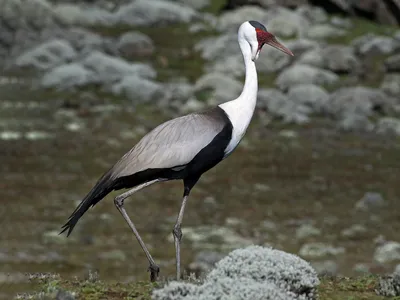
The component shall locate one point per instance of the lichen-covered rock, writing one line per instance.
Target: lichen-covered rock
(34, 13)
(230, 20)
(176, 290)
(389, 286)
(241, 289)
(47, 55)
(214, 48)
(196, 4)
(287, 271)
(301, 45)
(391, 84)
(340, 59)
(271, 60)
(109, 68)
(223, 289)
(138, 89)
(354, 122)
(284, 22)
(307, 230)
(144, 12)
(388, 252)
(371, 44)
(310, 95)
(205, 261)
(85, 41)
(370, 200)
(388, 125)
(303, 74)
(252, 273)
(134, 43)
(317, 250)
(73, 14)
(324, 31)
(392, 63)
(280, 106)
(326, 267)
(213, 237)
(314, 14)
(313, 57)
(223, 87)
(67, 76)
(359, 100)
(354, 231)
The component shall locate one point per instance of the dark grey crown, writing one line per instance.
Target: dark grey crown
(258, 25)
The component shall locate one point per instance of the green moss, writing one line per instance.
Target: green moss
(89, 290)
(338, 84)
(215, 6)
(204, 94)
(174, 54)
(343, 288)
(361, 27)
(266, 80)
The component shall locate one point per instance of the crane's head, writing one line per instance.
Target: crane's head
(257, 36)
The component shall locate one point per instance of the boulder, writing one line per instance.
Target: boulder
(388, 125)
(391, 85)
(309, 95)
(392, 63)
(67, 76)
(280, 106)
(386, 12)
(372, 45)
(303, 74)
(255, 273)
(340, 59)
(223, 88)
(138, 89)
(47, 55)
(359, 100)
(323, 32)
(135, 44)
(109, 69)
(155, 12)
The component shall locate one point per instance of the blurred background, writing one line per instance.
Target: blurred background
(317, 173)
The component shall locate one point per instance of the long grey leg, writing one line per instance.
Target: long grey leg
(177, 232)
(119, 203)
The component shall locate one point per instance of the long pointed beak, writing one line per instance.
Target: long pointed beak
(274, 43)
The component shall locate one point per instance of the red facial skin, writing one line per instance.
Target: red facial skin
(263, 37)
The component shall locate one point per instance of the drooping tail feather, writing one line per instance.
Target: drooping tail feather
(101, 189)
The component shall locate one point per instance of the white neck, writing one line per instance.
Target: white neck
(240, 111)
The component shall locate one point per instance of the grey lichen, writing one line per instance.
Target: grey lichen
(255, 273)
(176, 290)
(261, 264)
(389, 285)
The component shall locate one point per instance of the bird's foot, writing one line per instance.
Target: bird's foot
(154, 271)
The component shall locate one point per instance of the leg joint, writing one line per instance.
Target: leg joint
(119, 201)
(177, 232)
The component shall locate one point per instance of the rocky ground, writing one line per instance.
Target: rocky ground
(252, 273)
(343, 70)
(319, 162)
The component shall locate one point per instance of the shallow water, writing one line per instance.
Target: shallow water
(50, 157)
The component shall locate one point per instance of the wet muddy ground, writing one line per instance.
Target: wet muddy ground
(52, 152)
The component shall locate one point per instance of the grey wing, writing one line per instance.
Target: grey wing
(171, 144)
